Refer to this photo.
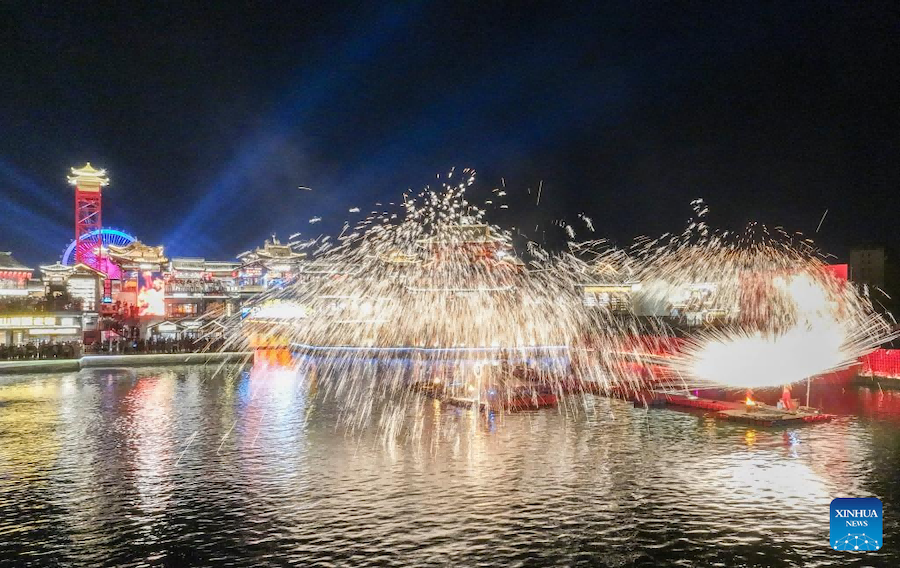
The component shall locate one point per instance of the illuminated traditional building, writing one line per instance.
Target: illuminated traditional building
(81, 282)
(399, 258)
(138, 257)
(270, 265)
(195, 286)
(475, 243)
(465, 259)
(615, 297)
(610, 286)
(137, 261)
(14, 276)
(80, 285)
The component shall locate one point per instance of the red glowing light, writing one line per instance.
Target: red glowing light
(838, 271)
(152, 297)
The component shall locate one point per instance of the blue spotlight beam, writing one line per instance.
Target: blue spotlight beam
(357, 50)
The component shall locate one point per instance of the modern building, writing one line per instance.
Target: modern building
(877, 267)
(37, 327)
(868, 265)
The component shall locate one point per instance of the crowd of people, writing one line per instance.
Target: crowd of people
(41, 350)
(74, 349)
(121, 310)
(31, 304)
(155, 345)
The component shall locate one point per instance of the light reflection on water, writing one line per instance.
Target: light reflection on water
(179, 466)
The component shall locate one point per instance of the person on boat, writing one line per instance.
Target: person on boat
(786, 398)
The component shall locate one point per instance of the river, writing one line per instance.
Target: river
(183, 466)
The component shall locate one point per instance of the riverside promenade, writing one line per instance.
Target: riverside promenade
(137, 360)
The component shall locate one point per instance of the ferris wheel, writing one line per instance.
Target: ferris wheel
(89, 247)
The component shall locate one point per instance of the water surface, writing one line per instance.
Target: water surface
(181, 466)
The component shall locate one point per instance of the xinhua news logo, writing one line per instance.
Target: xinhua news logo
(856, 524)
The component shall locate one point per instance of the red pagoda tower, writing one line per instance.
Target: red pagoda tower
(88, 182)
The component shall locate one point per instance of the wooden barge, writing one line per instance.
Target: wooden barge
(749, 412)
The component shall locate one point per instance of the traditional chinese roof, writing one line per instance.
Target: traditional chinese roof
(513, 260)
(89, 176)
(66, 272)
(188, 263)
(7, 262)
(82, 269)
(221, 266)
(272, 249)
(57, 269)
(195, 264)
(399, 257)
(137, 252)
(462, 234)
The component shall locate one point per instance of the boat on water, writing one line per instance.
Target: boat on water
(518, 399)
(526, 397)
(748, 410)
(512, 388)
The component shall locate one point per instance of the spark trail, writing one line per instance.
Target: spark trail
(432, 294)
(428, 296)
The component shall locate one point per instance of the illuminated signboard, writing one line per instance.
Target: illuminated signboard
(167, 327)
(26, 321)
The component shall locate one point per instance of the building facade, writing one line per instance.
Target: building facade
(272, 264)
(40, 327)
(868, 265)
(877, 267)
(14, 277)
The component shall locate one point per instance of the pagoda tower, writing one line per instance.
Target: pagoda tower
(88, 183)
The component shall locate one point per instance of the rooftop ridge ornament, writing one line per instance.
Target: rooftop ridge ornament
(138, 252)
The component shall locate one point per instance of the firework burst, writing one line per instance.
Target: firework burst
(428, 298)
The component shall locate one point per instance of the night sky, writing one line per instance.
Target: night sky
(208, 119)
